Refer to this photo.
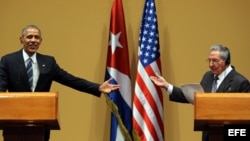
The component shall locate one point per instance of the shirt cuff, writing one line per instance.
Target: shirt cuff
(170, 89)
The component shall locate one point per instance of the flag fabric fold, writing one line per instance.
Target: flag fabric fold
(148, 99)
(117, 67)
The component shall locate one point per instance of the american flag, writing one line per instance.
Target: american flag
(148, 98)
(118, 69)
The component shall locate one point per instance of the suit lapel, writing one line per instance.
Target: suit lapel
(42, 65)
(22, 69)
(39, 62)
(207, 86)
(225, 85)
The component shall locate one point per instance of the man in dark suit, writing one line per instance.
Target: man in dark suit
(228, 79)
(14, 77)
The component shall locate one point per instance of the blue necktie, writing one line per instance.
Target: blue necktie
(214, 85)
(30, 72)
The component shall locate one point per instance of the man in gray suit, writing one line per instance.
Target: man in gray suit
(14, 77)
(228, 79)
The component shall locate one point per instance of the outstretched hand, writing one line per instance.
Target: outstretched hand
(159, 81)
(106, 87)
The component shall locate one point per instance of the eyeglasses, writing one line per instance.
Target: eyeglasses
(213, 60)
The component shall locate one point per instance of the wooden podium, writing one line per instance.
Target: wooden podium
(27, 116)
(212, 111)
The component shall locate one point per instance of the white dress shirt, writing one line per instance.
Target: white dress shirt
(34, 66)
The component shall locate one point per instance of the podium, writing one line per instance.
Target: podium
(28, 116)
(213, 111)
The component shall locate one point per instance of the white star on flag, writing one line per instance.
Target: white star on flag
(114, 41)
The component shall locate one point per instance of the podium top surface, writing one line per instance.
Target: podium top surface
(29, 108)
(221, 109)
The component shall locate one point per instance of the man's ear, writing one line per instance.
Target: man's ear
(21, 40)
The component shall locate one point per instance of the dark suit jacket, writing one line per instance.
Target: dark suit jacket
(233, 82)
(13, 76)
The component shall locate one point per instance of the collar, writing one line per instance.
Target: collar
(225, 72)
(26, 57)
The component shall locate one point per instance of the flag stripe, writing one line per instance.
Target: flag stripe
(125, 80)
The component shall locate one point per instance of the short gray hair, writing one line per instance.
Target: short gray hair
(30, 27)
(224, 52)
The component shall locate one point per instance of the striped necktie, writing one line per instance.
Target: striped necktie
(214, 85)
(30, 72)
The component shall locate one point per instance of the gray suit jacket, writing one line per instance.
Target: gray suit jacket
(13, 76)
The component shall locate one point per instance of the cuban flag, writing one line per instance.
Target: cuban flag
(117, 67)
